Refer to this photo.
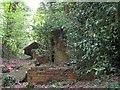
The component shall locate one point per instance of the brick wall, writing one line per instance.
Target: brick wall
(41, 74)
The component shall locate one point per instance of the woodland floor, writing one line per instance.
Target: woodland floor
(20, 73)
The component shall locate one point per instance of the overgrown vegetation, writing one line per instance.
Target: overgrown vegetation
(92, 33)
(14, 24)
(91, 29)
(8, 81)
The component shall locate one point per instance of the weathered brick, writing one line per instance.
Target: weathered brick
(41, 74)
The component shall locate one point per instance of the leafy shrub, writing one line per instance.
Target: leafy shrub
(113, 85)
(96, 36)
(30, 85)
(8, 81)
(5, 70)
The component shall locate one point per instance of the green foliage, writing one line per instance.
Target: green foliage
(8, 81)
(114, 85)
(40, 51)
(60, 84)
(5, 70)
(92, 33)
(14, 27)
(30, 85)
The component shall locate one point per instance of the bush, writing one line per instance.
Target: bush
(30, 85)
(5, 70)
(8, 81)
(113, 85)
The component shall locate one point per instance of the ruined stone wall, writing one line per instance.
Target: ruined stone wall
(44, 74)
(61, 53)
